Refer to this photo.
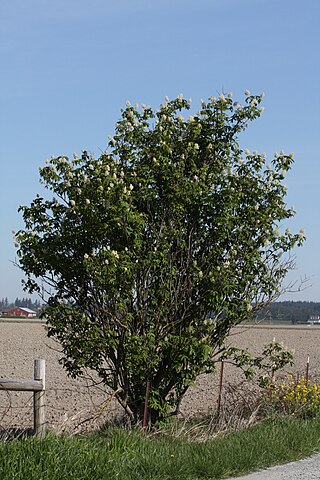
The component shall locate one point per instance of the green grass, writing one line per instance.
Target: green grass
(130, 455)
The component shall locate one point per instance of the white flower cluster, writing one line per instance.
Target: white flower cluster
(15, 239)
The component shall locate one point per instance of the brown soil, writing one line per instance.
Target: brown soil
(71, 402)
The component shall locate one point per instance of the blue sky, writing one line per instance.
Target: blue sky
(68, 66)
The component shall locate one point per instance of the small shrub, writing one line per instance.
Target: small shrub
(300, 397)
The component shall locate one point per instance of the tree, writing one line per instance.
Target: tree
(150, 254)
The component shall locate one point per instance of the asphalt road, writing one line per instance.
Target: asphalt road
(307, 469)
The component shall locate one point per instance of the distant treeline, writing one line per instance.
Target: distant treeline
(19, 302)
(293, 312)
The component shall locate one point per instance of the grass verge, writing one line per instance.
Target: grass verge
(130, 455)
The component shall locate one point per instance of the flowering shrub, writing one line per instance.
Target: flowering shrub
(147, 256)
(296, 397)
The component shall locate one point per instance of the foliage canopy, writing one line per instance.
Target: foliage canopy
(150, 254)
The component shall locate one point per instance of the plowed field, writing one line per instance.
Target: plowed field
(71, 403)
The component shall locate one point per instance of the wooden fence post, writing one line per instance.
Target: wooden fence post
(39, 399)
